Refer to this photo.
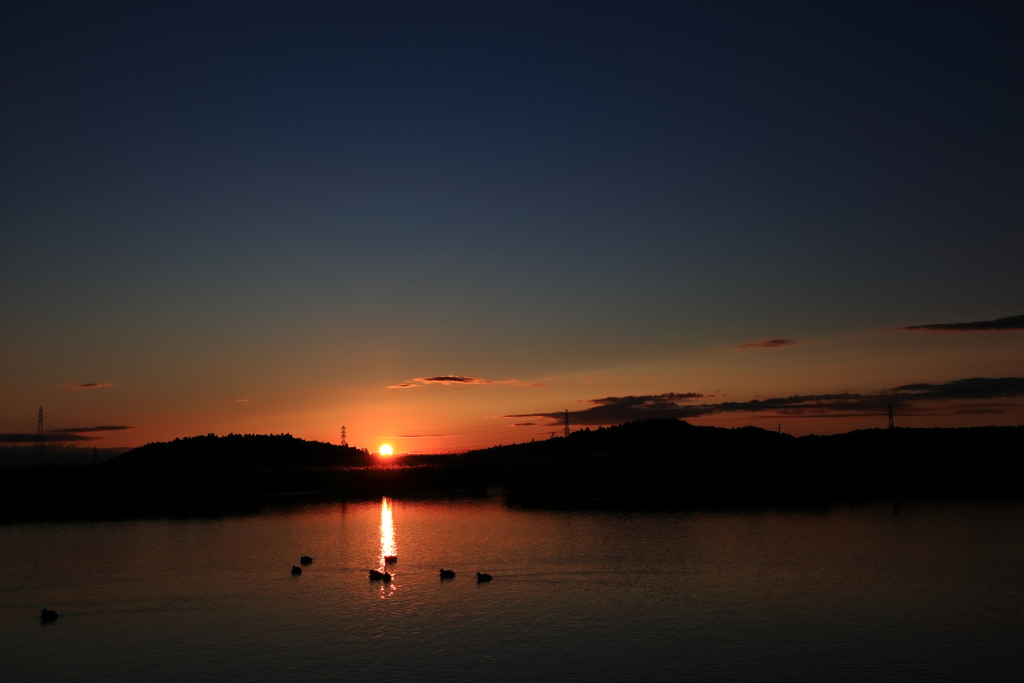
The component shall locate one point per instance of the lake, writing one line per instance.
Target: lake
(918, 591)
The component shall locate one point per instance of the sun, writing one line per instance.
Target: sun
(386, 450)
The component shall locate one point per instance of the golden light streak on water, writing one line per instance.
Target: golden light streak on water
(388, 547)
(387, 531)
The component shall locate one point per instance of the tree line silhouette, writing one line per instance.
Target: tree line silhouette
(659, 462)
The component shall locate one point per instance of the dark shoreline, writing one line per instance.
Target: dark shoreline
(656, 464)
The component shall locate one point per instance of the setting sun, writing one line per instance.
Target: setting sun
(386, 450)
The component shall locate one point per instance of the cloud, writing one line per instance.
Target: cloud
(1013, 322)
(47, 438)
(615, 409)
(426, 436)
(241, 400)
(458, 380)
(619, 409)
(767, 343)
(89, 385)
(973, 388)
(451, 379)
(66, 434)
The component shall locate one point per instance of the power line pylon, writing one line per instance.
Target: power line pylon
(567, 422)
(890, 417)
(39, 438)
(344, 437)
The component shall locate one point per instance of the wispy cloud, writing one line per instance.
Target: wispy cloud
(241, 400)
(458, 380)
(767, 343)
(1013, 322)
(88, 385)
(47, 438)
(63, 435)
(426, 436)
(451, 379)
(618, 409)
(976, 387)
(615, 409)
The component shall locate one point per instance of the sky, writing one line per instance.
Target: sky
(443, 224)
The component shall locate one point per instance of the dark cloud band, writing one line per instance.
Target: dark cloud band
(458, 380)
(1013, 322)
(66, 434)
(976, 387)
(46, 438)
(767, 343)
(616, 410)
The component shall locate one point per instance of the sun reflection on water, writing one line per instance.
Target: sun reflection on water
(388, 547)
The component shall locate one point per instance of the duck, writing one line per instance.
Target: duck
(481, 578)
(306, 559)
(387, 577)
(377, 576)
(48, 616)
(296, 570)
(390, 559)
(447, 573)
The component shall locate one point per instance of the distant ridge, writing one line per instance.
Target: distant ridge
(678, 463)
(234, 450)
(658, 437)
(670, 437)
(663, 463)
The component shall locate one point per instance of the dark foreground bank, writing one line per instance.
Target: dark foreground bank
(670, 462)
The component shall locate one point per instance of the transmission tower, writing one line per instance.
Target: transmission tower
(39, 438)
(567, 422)
(344, 437)
(890, 416)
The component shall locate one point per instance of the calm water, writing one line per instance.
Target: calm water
(933, 592)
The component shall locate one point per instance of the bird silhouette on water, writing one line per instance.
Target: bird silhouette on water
(380, 576)
(483, 578)
(306, 559)
(48, 616)
(390, 559)
(296, 570)
(447, 573)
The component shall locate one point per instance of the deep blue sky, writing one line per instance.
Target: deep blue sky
(195, 193)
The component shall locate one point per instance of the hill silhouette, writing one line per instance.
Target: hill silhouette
(233, 450)
(673, 438)
(662, 463)
(677, 461)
